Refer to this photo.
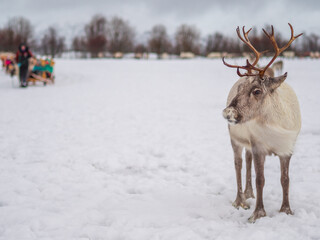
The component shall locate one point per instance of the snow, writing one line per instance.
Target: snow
(135, 149)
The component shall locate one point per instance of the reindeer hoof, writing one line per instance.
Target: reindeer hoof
(240, 202)
(286, 209)
(248, 194)
(256, 215)
(245, 206)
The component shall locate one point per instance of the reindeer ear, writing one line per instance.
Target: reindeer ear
(275, 82)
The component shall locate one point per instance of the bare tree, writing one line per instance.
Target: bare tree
(121, 35)
(231, 45)
(22, 28)
(311, 42)
(159, 41)
(96, 35)
(215, 43)
(140, 48)
(187, 39)
(51, 43)
(16, 31)
(4, 40)
(79, 44)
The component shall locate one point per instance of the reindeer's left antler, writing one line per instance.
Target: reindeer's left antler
(278, 50)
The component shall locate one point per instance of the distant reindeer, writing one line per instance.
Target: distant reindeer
(251, 58)
(277, 67)
(264, 118)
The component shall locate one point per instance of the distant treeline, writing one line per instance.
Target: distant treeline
(102, 35)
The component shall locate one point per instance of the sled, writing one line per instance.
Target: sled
(42, 72)
(36, 78)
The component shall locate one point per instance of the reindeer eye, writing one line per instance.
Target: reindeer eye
(257, 92)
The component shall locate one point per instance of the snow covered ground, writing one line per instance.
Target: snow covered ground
(128, 149)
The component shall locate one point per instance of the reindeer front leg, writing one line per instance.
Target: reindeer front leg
(258, 159)
(248, 192)
(240, 199)
(284, 163)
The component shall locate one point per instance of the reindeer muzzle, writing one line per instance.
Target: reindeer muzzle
(231, 115)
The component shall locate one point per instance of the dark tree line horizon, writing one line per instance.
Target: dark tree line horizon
(101, 35)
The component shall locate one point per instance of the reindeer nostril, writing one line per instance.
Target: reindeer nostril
(228, 117)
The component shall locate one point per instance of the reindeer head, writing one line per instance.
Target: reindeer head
(256, 85)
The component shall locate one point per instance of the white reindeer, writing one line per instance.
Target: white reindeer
(264, 118)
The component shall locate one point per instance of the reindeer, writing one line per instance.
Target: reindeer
(264, 118)
(277, 67)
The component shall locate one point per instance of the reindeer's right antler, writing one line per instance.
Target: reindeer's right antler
(246, 67)
(248, 43)
(249, 67)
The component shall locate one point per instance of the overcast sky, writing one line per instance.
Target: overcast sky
(208, 15)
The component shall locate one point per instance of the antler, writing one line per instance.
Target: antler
(249, 67)
(278, 50)
(248, 43)
(246, 67)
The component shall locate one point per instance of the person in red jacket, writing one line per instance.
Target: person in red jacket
(22, 59)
